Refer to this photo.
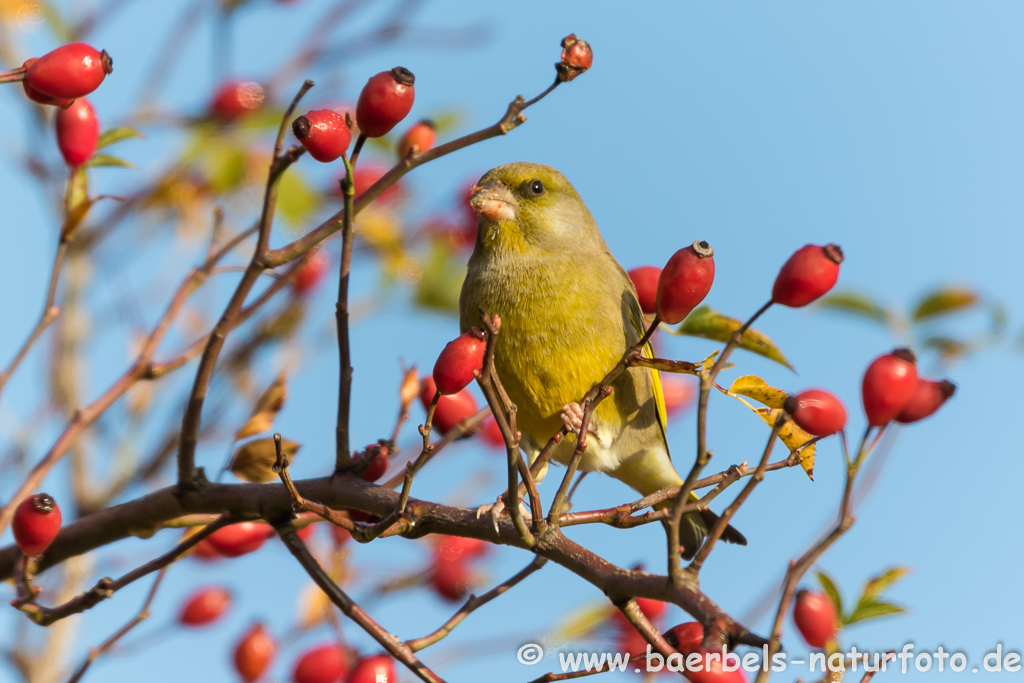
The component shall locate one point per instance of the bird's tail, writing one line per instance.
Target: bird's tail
(647, 475)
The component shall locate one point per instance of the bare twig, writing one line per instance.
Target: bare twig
(343, 456)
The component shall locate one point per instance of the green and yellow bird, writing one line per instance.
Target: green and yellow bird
(568, 313)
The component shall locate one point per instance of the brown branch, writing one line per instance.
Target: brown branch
(343, 456)
(472, 604)
(399, 650)
(106, 645)
(192, 417)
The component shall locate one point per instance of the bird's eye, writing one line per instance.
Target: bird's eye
(535, 188)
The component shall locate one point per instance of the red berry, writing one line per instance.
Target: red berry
(78, 131)
(577, 57)
(491, 433)
(311, 273)
(70, 71)
(366, 175)
(205, 606)
(815, 617)
(630, 643)
(421, 136)
(889, 384)
(321, 664)
(385, 100)
(711, 669)
(685, 637)
(652, 609)
(645, 279)
(454, 368)
(929, 395)
(807, 275)
(678, 392)
(205, 551)
(450, 548)
(36, 523)
(451, 579)
(324, 134)
(451, 409)
(816, 411)
(378, 467)
(234, 99)
(254, 652)
(373, 669)
(240, 539)
(340, 535)
(685, 281)
(42, 98)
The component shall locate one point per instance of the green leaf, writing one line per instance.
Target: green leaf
(705, 323)
(99, 160)
(854, 303)
(874, 587)
(944, 301)
(109, 137)
(441, 282)
(948, 347)
(872, 609)
(296, 200)
(829, 586)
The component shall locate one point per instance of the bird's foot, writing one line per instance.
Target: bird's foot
(572, 418)
(496, 509)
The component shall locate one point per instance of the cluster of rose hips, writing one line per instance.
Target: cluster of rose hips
(327, 663)
(891, 389)
(62, 78)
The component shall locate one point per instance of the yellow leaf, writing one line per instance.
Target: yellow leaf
(756, 388)
(313, 608)
(581, 622)
(254, 461)
(793, 437)
(268, 405)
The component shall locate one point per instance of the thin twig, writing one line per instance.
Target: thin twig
(343, 456)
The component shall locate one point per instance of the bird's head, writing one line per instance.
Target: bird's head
(525, 207)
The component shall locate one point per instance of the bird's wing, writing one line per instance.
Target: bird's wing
(636, 317)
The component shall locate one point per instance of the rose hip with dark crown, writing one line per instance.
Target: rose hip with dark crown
(453, 370)
(645, 279)
(816, 411)
(70, 71)
(577, 57)
(929, 395)
(321, 664)
(421, 137)
(78, 132)
(888, 385)
(685, 281)
(384, 101)
(807, 275)
(815, 617)
(36, 523)
(205, 606)
(254, 652)
(324, 134)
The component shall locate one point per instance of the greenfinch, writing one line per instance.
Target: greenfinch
(568, 313)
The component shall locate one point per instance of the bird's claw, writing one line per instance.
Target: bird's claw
(572, 418)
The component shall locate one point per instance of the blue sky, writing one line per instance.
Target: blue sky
(892, 129)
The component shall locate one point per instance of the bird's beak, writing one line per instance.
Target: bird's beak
(494, 202)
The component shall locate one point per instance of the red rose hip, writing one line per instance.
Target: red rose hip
(453, 370)
(321, 664)
(36, 523)
(816, 411)
(385, 100)
(450, 409)
(78, 131)
(205, 606)
(685, 281)
(645, 279)
(254, 652)
(373, 669)
(240, 539)
(378, 466)
(234, 99)
(888, 385)
(451, 579)
(929, 395)
(42, 98)
(70, 71)
(324, 134)
(685, 637)
(815, 618)
(807, 275)
(421, 137)
(310, 274)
